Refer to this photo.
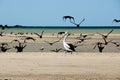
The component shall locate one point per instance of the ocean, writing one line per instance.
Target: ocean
(56, 29)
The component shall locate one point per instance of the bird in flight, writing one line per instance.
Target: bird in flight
(39, 35)
(100, 46)
(115, 20)
(29, 38)
(105, 36)
(56, 50)
(68, 17)
(116, 43)
(78, 25)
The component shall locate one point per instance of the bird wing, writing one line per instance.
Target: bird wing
(95, 46)
(100, 34)
(42, 32)
(82, 21)
(16, 40)
(71, 47)
(73, 22)
(116, 43)
(37, 34)
(110, 32)
(29, 38)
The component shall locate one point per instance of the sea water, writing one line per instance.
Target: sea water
(56, 29)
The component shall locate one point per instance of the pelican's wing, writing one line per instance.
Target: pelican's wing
(71, 47)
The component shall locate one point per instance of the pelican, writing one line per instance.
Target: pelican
(68, 47)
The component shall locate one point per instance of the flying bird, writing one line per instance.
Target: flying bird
(78, 25)
(105, 36)
(68, 17)
(3, 27)
(29, 38)
(115, 20)
(116, 43)
(68, 46)
(60, 33)
(51, 43)
(100, 46)
(56, 50)
(39, 35)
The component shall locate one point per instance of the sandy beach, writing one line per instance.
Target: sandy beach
(85, 64)
(59, 66)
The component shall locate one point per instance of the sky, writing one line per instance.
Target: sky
(50, 12)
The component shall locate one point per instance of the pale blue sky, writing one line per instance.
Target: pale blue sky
(50, 12)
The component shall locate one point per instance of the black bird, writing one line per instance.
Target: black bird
(29, 38)
(116, 43)
(105, 41)
(4, 47)
(60, 33)
(20, 47)
(105, 36)
(68, 17)
(115, 20)
(100, 46)
(39, 35)
(51, 43)
(3, 27)
(1, 34)
(78, 25)
(56, 50)
(82, 37)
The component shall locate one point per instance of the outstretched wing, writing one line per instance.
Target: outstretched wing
(29, 38)
(73, 22)
(95, 46)
(16, 40)
(100, 34)
(37, 34)
(42, 33)
(110, 32)
(82, 21)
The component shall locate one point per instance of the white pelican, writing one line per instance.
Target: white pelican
(68, 47)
